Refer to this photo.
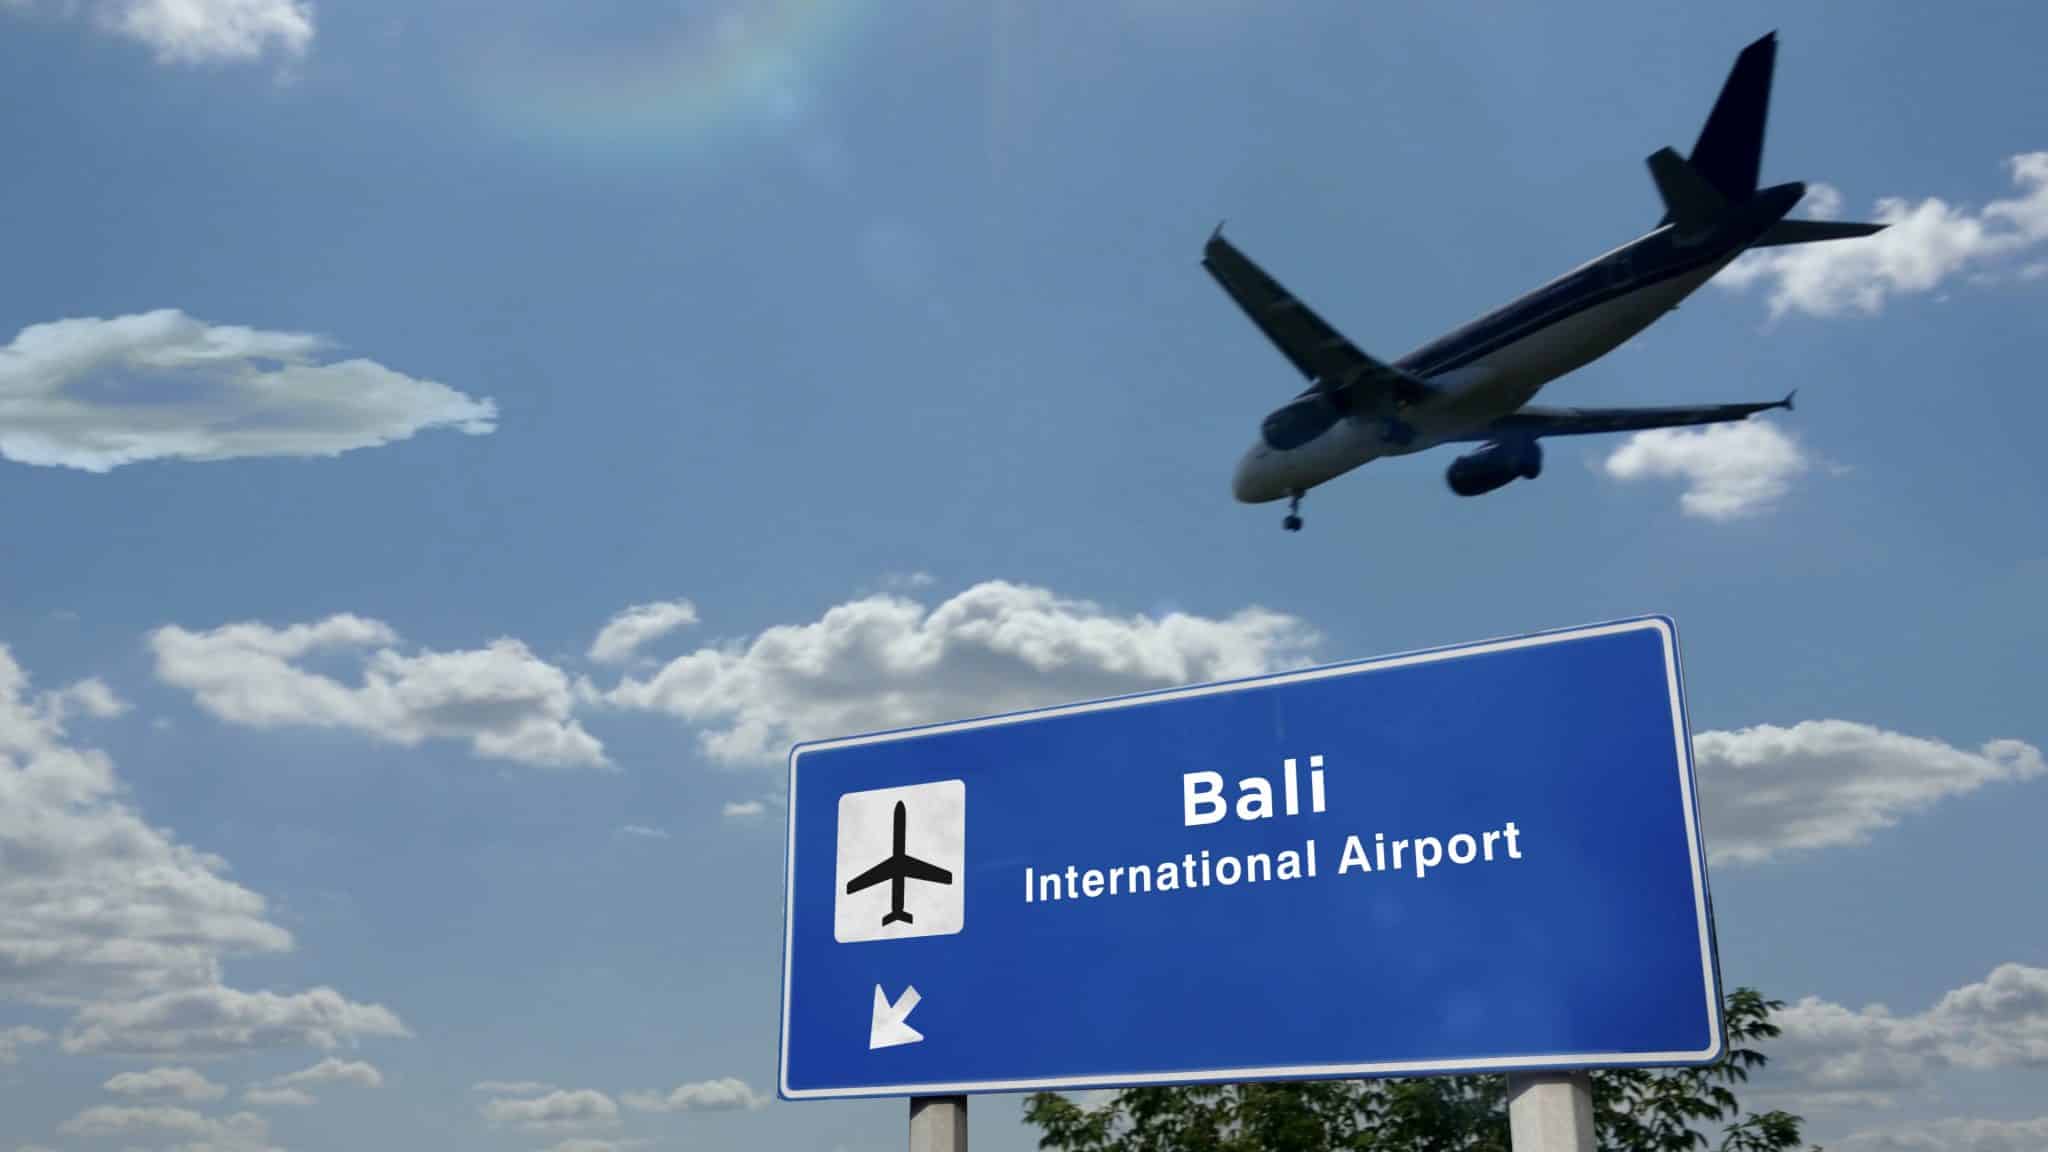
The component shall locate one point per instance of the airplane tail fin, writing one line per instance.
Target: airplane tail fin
(1727, 158)
(1729, 153)
(896, 918)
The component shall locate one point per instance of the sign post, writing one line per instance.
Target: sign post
(1484, 858)
(938, 1124)
(1550, 1112)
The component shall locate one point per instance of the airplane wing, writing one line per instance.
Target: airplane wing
(917, 869)
(871, 877)
(1318, 351)
(1534, 421)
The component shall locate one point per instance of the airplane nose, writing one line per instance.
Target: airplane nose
(1248, 484)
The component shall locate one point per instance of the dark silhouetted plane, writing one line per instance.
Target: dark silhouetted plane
(1475, 384)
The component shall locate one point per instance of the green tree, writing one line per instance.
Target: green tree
(1634, 1109)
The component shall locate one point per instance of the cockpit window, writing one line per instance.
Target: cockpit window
(1299, 422)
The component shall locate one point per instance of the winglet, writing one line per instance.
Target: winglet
(1786, 403)
(1215, 241)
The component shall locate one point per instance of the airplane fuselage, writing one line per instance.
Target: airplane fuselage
(1490, 368)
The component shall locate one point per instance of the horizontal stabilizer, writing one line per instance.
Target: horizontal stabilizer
(1689, 200)
(1813, 231)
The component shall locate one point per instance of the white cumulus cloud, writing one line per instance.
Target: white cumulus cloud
(184, 1083)
(885, 660)
(194, 31)
(261, 1096)
(1730, 471)
(1955, 1134)
(94, 394)
(332, 1071)
(1823, 202)
(579, 1108)
(240, 1132)
(107, 914)
(507, 703)
(726, 1094)
(744, 810)
(13, 1040)
(219, 1018)
(1927, 244)
(89, 697)
(1820, 783)
(625, 634)
(202, 31)
(94, 901)
(1833, 1056)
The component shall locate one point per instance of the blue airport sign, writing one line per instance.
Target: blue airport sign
(1476, 859)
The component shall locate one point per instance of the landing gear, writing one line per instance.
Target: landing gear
(1293, 521)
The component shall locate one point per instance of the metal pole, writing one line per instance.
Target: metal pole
(939, 1124)
(1550, 1112)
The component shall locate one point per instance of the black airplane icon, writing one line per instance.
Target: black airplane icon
(900, 866)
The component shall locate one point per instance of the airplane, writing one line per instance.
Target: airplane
(900, 866)
(1475, 384)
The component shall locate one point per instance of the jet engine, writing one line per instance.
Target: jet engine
(1491, 467)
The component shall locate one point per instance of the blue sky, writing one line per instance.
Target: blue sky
(359, 365)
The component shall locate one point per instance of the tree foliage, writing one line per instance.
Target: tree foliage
(1634, 1110)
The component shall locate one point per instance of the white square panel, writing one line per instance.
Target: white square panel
(907, 866)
